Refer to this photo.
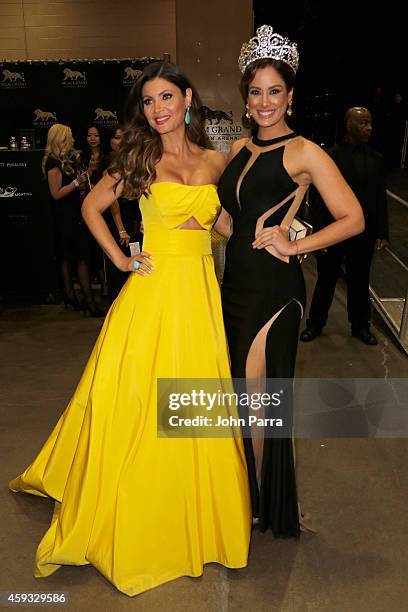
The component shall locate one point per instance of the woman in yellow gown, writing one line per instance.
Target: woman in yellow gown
(143, 509)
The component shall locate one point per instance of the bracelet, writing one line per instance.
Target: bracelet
(75, 183)
(123, 232)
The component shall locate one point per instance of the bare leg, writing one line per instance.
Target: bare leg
(255, 374)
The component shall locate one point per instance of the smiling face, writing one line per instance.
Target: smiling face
(164, 105)
(92, 138)
(268, 98)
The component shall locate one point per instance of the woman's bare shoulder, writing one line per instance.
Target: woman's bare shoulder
(215, 156)
(308, 162)
(307, 152)
(305, 146)
(217, 160)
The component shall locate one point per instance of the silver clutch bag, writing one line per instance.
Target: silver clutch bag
(299, 229)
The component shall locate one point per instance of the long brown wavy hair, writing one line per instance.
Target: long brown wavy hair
(141, 147)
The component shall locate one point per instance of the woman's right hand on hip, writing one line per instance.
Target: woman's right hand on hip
(140, 264)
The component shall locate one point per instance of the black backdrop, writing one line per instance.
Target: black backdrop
(36, 94)
(33, 96)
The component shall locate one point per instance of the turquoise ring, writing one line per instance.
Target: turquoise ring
(136, 265)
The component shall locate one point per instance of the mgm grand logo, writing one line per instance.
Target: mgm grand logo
(74, 78)
(130, 75)
(12, 80)
(44, 118)
(220, 127)
(105, 117)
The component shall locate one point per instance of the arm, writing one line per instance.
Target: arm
(338, 197)
(99, 199)
(314, 166)
(117, 217)
(223, 225)
(54, 177)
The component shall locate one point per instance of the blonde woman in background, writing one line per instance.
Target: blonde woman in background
(59, 167)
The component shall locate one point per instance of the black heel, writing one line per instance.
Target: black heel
(72, 302)
(93, 310)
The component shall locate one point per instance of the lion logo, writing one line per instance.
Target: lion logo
(105, 114)
(13, 77)
(215, 115)
(41, 115)
(73, 75)
(131, 73)
(7, 192)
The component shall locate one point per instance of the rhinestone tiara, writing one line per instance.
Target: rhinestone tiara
(267, 44)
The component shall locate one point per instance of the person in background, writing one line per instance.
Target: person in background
(59, 168)
(378, 109)
(396, 125)
(363, 169)
(94, 159)
(126, 213)
(123, 219)
(95, 153)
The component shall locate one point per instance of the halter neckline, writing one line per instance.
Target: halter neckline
(272, 141)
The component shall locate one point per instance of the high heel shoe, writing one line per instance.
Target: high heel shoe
(93, 310)
(72, 302)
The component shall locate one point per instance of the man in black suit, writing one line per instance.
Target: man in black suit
(363, 169)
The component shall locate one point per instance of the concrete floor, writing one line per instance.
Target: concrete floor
(356, 489)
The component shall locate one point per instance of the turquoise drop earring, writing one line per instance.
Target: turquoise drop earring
(187, 117)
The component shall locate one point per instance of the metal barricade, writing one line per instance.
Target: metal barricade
(389, 272)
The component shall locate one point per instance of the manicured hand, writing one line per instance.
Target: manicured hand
(124, 238)
(275, 236)
(144, 260)
(82, 178)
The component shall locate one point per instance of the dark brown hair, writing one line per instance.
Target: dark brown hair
(141, 147)
(284, 70)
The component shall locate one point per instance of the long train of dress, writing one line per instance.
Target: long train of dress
(142, 509)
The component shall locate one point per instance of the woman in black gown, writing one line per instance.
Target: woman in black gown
(59, 167)
(123, 220)
(263, 288)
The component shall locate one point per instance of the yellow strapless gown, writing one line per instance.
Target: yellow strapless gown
(142, 509)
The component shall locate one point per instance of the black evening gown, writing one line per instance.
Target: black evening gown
(71, 231)
(263, 300)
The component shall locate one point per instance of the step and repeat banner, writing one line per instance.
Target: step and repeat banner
(33, 96)
(36, 94)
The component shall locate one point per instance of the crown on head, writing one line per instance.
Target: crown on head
(266, 44)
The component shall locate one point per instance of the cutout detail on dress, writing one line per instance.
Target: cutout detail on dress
(192, 218)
